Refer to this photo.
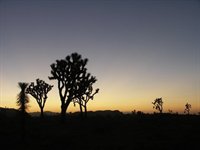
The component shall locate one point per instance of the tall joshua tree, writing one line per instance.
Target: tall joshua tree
(69, 73)
(39, 92)
(158, 104)
(22, 102)
(187, 108)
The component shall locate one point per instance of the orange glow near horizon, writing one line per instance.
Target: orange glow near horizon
(111, 97)
(108, 102)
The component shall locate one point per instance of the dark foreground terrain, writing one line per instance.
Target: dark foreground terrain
(123, 132)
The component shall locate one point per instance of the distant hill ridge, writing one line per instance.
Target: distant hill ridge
(90, 113)
(11, 112)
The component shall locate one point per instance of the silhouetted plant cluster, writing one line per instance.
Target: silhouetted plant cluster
(158, 105)
(75, 85)
(73, 80)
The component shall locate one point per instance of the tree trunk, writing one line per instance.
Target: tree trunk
(41, 112)
(23, 121)
(161, 109)
(81, 111)
(63, 112)
(85, 107)
(64, 107)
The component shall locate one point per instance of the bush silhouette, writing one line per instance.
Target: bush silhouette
(158, 104)
(187, 108)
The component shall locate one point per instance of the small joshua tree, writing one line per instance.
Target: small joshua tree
(85, 96)
(88, 95)
(22, 102)
(22, 98)
(187, 108)
(158, 104)
(39, 92)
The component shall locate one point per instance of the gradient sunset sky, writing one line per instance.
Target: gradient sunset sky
(139, 50)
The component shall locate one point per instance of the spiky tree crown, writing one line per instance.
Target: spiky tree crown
(22, 98)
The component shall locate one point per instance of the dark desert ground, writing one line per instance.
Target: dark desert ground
(102, 131)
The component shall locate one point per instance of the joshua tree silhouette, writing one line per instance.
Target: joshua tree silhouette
(22, 102)
(158, 104)
(22, 98)
(70, 74)
(187, 108)
(85, 95)
(39, 92)
(88, 95)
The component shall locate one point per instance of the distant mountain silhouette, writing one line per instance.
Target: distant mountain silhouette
(103, 113)
(46, 113)
(9, 112)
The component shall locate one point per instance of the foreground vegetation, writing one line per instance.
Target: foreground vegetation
(103, 132)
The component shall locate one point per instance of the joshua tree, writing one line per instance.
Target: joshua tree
(39, 92)
(158, 104)
(84, 83)
(22, 102)
(86, 95)
(22, 98)
(187, 108)
(69, 73)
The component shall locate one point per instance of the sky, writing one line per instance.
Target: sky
(139, 50)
